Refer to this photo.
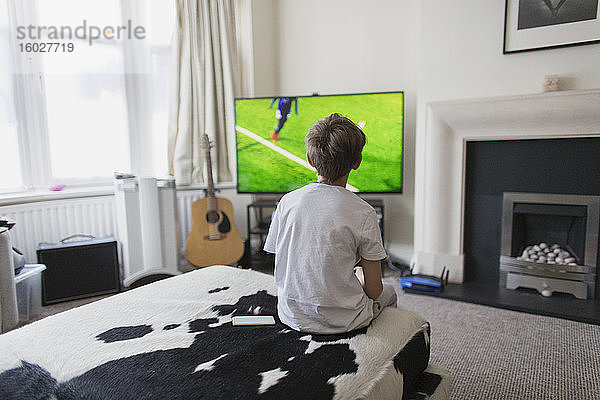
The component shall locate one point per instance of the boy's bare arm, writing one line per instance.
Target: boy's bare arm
(372, 272)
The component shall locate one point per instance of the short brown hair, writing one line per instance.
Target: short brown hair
(334, 145)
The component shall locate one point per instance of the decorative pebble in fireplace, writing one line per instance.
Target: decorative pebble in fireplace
(570, 223)
(543, 253)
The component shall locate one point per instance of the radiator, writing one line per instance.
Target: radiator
(52, 221)
(184, 208)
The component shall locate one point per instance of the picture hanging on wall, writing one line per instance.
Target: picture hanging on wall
(542, 24)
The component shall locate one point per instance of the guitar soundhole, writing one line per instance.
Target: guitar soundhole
(212, 217)
(225, 225)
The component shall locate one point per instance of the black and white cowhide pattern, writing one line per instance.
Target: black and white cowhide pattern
(205, 357)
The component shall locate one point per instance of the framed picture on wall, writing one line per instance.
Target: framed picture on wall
(542, 24)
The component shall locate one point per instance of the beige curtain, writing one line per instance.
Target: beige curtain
(206, 79)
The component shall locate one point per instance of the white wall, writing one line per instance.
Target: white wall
(433, 49)
(460, 57)
(345, 46)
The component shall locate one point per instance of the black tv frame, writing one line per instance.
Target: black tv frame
(400, 191)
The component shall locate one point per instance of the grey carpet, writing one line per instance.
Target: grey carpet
(501, 354)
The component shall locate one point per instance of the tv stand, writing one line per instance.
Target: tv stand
(258, 219)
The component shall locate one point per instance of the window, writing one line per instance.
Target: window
(86, 103)
(100, 108)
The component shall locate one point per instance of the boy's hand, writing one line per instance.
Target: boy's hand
(372, 272)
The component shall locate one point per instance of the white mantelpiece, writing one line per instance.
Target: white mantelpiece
(440, 158)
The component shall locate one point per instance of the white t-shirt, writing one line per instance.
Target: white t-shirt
(318, 233)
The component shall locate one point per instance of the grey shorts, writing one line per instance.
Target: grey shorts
(387, 298)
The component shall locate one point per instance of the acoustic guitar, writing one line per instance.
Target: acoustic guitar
(214, 238)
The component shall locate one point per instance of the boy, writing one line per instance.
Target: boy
(320, 232)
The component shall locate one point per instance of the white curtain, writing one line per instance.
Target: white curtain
(207, 50)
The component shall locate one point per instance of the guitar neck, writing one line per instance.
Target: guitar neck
(211, 202)
(211, 199)
(210, 186)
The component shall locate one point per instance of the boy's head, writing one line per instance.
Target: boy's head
(334, 145)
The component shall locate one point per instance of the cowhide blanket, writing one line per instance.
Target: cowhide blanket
(173, 339)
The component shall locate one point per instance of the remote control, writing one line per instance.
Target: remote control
(246, 320)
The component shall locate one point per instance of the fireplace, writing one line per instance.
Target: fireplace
(456, 210)
(550, 243)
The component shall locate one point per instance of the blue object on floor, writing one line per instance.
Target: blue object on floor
(427, 283)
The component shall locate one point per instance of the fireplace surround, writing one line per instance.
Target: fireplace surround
(441, 177)
(441, 157)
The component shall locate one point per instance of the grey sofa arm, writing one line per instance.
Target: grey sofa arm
(9, 315)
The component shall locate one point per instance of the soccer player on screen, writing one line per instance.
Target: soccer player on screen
(284, 107)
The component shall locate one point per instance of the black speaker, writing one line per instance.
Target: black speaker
(76, 270)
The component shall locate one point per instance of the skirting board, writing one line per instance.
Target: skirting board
(559, 305)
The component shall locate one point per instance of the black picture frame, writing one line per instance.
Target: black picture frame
(544, 24)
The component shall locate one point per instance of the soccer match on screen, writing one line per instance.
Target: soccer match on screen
(271, 157)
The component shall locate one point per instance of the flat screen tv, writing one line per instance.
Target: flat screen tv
(270, 131)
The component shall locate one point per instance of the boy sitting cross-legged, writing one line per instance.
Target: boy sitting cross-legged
(320, 232)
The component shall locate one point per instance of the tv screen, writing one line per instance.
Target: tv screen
(271, 157)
